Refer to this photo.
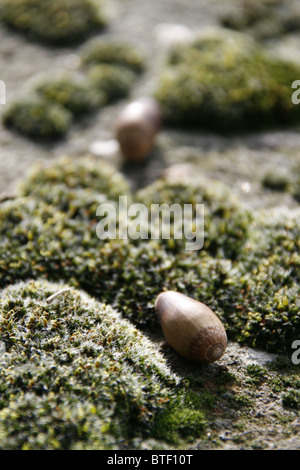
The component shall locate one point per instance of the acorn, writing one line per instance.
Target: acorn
(191, 328)
(136, 128)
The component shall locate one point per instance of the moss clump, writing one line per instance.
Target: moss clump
(295, 190)
(177, 422)
(226, 82)
(291, 399)
(99, 51)
(52, 231)
(56, 22)
(85, 376)
(73, 93)
(276, 181)
(261, 291)
(226, 221)
(85, 172)
(113, 81)
(38, 118)
(264, 19)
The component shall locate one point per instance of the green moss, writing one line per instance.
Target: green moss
(84, 375)
(56, 22)
(256, 373)
(226, 221)
(295, 189)
(100, 51)
(38, 118)
(247, 271)
(71, 92)
(276, 181)
(265, 283)
(291, 399)
(112, 80)
(226, 82)
(264, 19)
(76, 373)
(82, 173)
(178, 422)
(54, 233)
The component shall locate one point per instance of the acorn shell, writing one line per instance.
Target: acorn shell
(136, 128)
(190, 327)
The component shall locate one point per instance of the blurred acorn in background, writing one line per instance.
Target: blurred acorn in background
(136, 128)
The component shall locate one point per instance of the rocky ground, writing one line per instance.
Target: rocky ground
(240, 161)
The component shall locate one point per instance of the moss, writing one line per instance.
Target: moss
(82, 173)
(77, 374)
(265, 283)
(52, 105)
(256, 373)
(83, 374)
(51, 232)
(100, 51)
(71, 92)
(56, 22)
(226, 82)
(226, 221)
(264, 19)
(276, 181)
(38, 118)
(291, 399)
(295, 188)
(177, 422)
(113, 81)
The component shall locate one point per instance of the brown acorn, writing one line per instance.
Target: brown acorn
(190, 327)
(137, 127)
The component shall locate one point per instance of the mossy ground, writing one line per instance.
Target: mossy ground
(247, 270)
(53, 105)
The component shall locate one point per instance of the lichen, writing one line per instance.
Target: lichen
(55, 22)
(226, 82)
